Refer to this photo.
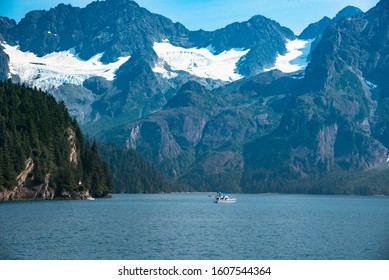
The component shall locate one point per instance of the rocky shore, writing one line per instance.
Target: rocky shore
(43, 192)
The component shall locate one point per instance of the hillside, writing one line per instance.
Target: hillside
(131, 173)
(43, 153)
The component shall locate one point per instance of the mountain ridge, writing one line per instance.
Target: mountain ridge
(267, 132)
(122, 29)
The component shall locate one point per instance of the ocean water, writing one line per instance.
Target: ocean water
(191, 226)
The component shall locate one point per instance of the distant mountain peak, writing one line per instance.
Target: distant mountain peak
(316, 29)
(348, 11)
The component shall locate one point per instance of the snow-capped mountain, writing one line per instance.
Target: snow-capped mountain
(229, 107)
(66, 67)
(322, 129)
(140, 57)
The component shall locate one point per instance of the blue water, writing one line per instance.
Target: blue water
(191, 226)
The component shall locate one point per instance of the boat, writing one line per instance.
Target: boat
(223, 198)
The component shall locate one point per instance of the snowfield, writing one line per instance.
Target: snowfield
(65, 67)
(57, 68)
(295, 58)
(201, 62)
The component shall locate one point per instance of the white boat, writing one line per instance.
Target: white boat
(223, 198)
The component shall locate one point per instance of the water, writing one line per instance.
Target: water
(191, 226)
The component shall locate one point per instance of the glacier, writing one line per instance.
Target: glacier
(65, 67)
(296, 57)
(200, 62)
(57, 68)
(204, 63)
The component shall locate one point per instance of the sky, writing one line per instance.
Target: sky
(213, 14)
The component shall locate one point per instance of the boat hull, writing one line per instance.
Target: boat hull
(229, 200)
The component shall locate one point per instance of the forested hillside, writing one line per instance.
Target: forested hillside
(131, 173)
(43, 154)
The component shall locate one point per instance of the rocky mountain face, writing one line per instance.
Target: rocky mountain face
(122, 29)
(5, 26)
(115, 28)
(264, 37)
(314, 31)
(336, 123)
(197, 138)
(315, 130)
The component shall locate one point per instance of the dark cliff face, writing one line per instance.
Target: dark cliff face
(4, 68)
(7, 27)
(43, 32)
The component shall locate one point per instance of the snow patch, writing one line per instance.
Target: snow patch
(299, 76)
(160, 68)
(296, 57)
(57, 68)
(201, 62)
(131, 141)
(370, 84)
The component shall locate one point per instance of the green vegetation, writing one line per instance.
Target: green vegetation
(131, 173)
(34, 126)
(335, 182)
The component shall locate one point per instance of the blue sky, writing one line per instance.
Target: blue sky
(213, 14)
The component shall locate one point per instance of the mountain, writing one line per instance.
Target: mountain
(119, 61)
(316, 131)
(237, 109)
(316, 29)
(336, 125)
(42, 150)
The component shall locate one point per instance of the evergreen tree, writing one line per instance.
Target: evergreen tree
(34, 126)
(131, 172)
